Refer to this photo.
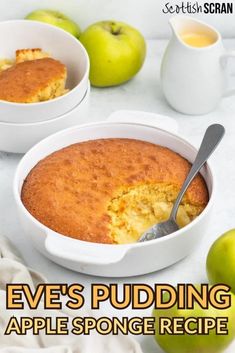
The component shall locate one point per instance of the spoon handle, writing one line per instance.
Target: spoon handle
(211, 139)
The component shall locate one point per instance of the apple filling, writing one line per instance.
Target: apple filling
(135, 209)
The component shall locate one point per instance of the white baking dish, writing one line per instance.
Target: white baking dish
(112, 260)
(21, 34)
(19, 138)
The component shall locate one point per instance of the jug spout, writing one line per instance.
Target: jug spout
(182, 25)
(175, 24)
(179, 26)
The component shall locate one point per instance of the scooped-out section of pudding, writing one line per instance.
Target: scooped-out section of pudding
(138, 208)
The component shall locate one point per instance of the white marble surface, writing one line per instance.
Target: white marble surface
(146, 15)
(142, 93)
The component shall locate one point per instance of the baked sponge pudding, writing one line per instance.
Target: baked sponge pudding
(110, 190)
(33, 77)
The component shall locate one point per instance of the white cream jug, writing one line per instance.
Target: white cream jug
(194, 78)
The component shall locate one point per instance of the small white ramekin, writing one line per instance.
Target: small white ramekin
(20, 34)
(103, 259)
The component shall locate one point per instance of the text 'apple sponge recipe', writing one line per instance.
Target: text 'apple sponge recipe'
(111, 190)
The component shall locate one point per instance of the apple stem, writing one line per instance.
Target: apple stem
(115, 29)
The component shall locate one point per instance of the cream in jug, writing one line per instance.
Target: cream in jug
(193, 67)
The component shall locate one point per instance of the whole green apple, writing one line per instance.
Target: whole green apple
(221, 260)
(194, 343)
(57, 19)
(116, 50)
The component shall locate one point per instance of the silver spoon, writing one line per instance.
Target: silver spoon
(211, 139)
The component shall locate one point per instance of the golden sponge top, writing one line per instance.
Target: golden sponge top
(73, 190)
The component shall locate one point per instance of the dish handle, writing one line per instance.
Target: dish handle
(141, 117)
(83, 252)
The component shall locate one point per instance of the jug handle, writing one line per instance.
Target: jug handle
(225, 57)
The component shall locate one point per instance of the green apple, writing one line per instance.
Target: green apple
(57, 19)
(221, 260)
(186, 343)
(116, 50)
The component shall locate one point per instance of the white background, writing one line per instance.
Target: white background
(146, 15)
